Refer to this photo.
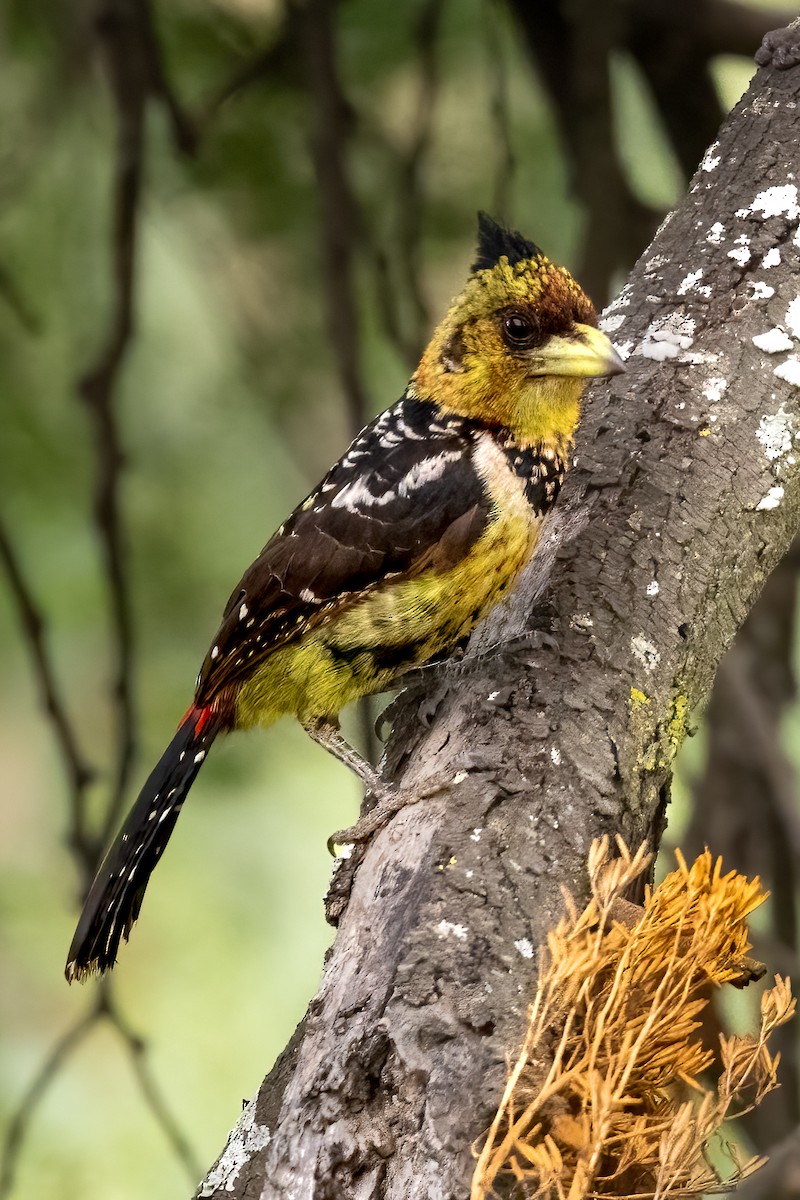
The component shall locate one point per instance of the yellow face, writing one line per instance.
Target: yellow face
(516, 349)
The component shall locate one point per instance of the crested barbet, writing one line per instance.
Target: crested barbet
(415, 533)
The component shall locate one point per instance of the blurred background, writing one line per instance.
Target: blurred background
(226, 229)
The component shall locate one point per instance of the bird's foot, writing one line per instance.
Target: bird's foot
(386, 802)
(352, 845)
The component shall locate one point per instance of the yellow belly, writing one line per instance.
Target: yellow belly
(404, 624)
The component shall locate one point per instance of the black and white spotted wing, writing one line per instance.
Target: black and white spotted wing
(405, 497)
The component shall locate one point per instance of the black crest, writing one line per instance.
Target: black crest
(495, 242)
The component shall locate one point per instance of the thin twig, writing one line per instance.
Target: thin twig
(264, 64)
(410, 199)
(184, 131)
(155, 1101)
(341, 221)
(499, 110)
(17, 1129)
(18, 303)
(339, 208)
(387, 305)
(79, 773)
(759, 724)
(136, 72)
(128, 63)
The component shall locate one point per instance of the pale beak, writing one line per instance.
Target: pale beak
(585, 351)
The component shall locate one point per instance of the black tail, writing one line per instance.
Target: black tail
(116, 895)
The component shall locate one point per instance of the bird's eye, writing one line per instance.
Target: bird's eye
(518, 331)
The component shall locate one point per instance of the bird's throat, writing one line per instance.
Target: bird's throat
(547, 411)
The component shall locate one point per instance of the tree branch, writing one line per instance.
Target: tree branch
(564, 721)
(78, 772)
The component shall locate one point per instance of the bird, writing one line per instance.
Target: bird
(419, 529)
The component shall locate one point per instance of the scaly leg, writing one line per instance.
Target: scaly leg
(388, 799)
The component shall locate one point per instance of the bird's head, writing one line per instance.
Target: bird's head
(519, 343)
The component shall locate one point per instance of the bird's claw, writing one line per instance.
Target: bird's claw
(389, 803)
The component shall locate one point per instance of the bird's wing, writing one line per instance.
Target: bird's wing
(404, 498)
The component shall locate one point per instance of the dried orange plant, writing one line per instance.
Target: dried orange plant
(605, 1098)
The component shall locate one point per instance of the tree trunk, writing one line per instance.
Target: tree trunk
(563, 720)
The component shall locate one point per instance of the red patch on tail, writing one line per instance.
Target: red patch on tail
(200, 716)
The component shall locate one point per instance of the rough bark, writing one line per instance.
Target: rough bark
(563, 721)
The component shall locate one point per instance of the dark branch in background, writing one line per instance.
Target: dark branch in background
(672, 43)
(745, 800)
(18, 302)
(127, 40)
(22, 1117)
(777, 1179)
(386, 302)
(572, 59)
(128, 76)
(103, 1008)
(277, 60)
(136, 74)
(137, 1050)
(410, 198)
(159, 85)
(398, 280)
(499, 110)
(77, 770)
(665, 38)
(86, 849)
(734, 26)
(332, 124)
